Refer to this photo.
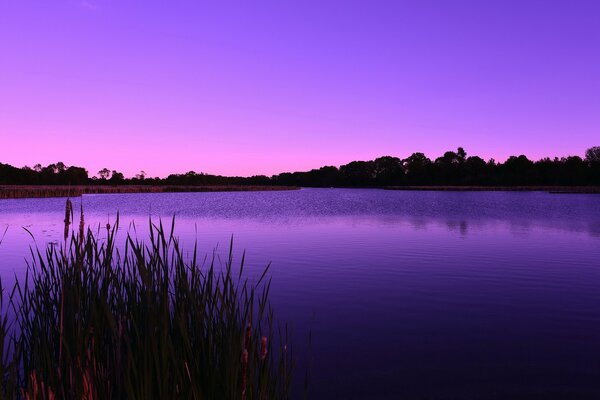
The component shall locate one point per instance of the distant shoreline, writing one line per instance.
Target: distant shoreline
(47, 191)
(549, 189)
(44, 191)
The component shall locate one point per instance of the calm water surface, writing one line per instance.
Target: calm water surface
(428, 295)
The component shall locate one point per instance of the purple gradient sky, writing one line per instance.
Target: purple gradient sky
(263, 87)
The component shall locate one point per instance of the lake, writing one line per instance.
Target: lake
(429, 295)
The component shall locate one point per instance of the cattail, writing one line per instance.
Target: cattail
(245, 358)
(244, 371)
(61, 324)
(187, 370)
(90, 352)
(81, 228)
(248, 335)
(34, 384)
(68, 212)
(118, 353)
(263, 348)
(88, 392)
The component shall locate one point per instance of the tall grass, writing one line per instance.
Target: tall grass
(143, 320)
(25, 191)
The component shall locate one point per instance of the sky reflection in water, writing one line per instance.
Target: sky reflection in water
(407, 293)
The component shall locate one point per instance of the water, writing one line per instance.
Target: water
(429, 295)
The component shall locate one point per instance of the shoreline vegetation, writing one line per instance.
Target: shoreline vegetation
(454, 170)
(31, 191)
(549, 189)
(39, 191)
(142, 319)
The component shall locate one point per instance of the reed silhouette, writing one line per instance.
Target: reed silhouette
(97, 320)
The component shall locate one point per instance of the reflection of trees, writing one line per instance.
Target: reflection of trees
(461, 226)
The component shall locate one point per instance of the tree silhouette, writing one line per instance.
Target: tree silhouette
(388, 170)
(104, 173)
(141, 176)
(452, 168)
(116, 177)
(592, 155)
(418, 169)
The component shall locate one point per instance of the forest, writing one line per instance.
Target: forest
(453, 168)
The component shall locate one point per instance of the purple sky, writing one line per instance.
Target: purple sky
(263, 87)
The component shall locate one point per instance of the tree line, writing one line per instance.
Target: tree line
(452, 168)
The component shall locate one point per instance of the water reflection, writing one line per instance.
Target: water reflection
(439, 295)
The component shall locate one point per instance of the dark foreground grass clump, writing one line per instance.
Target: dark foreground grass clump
(144, 320)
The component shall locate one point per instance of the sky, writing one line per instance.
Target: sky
(262, 87)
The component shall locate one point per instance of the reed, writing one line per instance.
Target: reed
(93, 320)
(27, 191)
